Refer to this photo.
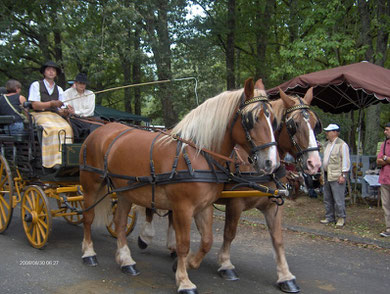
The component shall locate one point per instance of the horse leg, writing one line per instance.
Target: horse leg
(203, 221)
(232, 216)
(171, 239)
(286, 280)
(147, 232)
(182, 225)
(123, 254)
(89, 254)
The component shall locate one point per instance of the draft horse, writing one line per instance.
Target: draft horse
(295, 134)
(140, 166)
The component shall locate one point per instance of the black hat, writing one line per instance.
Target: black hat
(82, 78)
(50, 64)
(387, 125)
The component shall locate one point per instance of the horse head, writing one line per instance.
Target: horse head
(300, 126)
(255, 133)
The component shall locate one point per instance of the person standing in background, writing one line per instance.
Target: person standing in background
(383, 160)
(336, 165)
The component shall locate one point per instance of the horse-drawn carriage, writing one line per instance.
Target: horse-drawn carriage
(24, 180)
(183, 171)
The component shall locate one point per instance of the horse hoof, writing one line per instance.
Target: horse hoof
(289, 286)
(173, 254)
(174, 266)
(130, 269)
(188, 291)
(90, 260)
(141, 244)
(228, 274)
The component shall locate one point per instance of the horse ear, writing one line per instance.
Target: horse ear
(259, 85)
(249, 88)
(287, 100)
(309, 96)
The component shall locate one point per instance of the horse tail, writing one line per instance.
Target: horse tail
(103, 213)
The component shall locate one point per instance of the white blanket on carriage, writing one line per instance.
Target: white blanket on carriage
(56, 131)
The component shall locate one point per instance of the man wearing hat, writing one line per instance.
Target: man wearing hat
(81, 103)
(46, 99)
(336, 165)
(383, 160)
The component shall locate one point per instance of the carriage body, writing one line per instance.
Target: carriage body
(42, 193)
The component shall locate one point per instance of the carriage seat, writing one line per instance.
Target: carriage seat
(6, 120)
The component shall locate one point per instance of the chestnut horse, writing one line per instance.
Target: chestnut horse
(130, 162)
(294, 135)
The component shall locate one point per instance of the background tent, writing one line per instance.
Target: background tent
(343, 88)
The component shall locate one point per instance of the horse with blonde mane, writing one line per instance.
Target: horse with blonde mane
(177, 171)
(295, 134)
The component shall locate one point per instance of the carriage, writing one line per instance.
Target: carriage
(43, 193)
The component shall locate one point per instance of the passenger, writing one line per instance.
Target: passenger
(10, 105)
(46, 98)
(81, 105)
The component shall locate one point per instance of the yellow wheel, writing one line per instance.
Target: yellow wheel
(72, 219)
(131, 220)
(36, 216)
(6, 192)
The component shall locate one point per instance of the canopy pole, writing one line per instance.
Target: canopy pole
(357, 154)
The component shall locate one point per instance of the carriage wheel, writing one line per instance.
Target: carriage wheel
(6, 193)
(72, 219)
(131, 220)
(36, 216)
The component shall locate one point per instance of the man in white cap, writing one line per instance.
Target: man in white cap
(336, 165)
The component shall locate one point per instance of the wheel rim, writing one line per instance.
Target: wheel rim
(6, 192)
(131, 220)
(36, 216)
(72, 219)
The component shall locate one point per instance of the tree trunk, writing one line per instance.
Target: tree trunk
(230, 62)
(263, 21)
(137, 72)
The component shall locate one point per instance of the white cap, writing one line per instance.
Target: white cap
(332, 127)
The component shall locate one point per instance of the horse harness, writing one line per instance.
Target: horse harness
(217, 173)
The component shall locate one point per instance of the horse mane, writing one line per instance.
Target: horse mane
(206, 125)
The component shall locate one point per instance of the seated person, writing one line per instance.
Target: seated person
(46, 98)
(81, 105)
(10, 105)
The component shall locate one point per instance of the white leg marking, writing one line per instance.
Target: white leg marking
(87, 249)
(123, 256)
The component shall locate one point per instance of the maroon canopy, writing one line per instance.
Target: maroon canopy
(343, 88)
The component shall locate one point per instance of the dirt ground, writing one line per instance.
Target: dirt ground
(364, 219)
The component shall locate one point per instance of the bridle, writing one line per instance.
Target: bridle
(247, 123)
(292, 128)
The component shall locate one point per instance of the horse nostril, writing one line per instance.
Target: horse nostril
(268, 163)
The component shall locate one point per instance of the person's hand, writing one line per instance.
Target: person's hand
(70, 109)
(341, 180)
(56, 103)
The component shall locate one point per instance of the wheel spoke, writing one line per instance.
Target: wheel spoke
(40, 206)
(3, 180)
(29, 201)
(41, 232)
(3, 213)
(38, 234)
(27, 208)
(43, 223)
(5, 202)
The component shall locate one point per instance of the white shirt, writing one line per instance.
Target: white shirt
(84, 105)
(35, 95)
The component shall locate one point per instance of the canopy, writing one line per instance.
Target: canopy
(116, 115)
(343, 88)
